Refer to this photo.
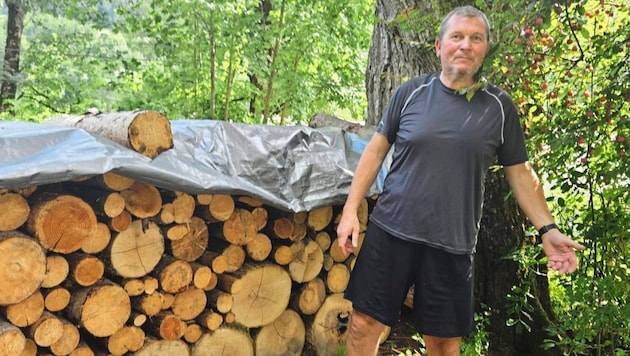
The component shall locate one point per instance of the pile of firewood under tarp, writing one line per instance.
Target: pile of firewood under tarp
(113, 265)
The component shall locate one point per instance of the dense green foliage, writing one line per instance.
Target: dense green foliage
(566, 66)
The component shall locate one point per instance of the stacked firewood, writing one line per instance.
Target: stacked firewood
(110, 265)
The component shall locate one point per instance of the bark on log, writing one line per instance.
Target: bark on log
(100, 309)
(224, 341)
(265, 294)
(148, 304)
(14, 211)
(284, 336)
(85, 269)
(259, 248)
(12, 340)
(210, 319)
(173, 275)
(61, 223)
(135, 251)
(144, 131)
(329, 328)
(166, 326)
(22, 266)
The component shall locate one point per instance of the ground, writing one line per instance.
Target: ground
(402, 339)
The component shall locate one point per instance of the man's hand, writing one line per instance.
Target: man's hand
(560, 251)
(348, 227)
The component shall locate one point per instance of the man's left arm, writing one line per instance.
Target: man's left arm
(529, 194)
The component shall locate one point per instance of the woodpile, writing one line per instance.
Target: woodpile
(109, 265)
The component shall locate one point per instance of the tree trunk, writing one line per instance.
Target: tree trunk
(15, 25)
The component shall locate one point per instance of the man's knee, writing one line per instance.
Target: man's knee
(364, 325)
(442, 346)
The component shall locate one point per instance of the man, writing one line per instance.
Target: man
(424, 227)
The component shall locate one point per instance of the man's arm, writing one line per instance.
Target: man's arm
(367, 169)
(530, 196)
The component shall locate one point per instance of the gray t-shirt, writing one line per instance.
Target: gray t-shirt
(444, 145)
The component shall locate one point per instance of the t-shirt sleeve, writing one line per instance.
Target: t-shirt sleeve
(390, 120)
(513, 150)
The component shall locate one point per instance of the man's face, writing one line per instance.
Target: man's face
(463, 46)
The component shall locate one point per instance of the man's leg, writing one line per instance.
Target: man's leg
(441, 346)
(363, 335)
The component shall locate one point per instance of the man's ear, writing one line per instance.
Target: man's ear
(438, 45)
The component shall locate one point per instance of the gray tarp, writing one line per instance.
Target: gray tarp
(295, 168)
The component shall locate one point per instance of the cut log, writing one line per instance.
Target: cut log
(144, 131)
(224, 341)
(133, 286)
(318, 219)
(193, 243)
(104, 202)
(142, 200)
(57, 269)
(221, 207)
(239, 229)
(329, 328)
(173, 275)
(22, 266)
(337, 278)
(100, 309)
(12, 340)
(308, 262)
(156, 347)
(214, 260)
(57, 299)
(166, 326)
(26, 312)
(61, 223)
(148, 304)
(98, 240)
(210, 319)
(30, 348)
(68, 341)
(265, 294)
(203, 277)
(249, 201)
(283, 336)
(47, 330)
(310, 296)
(234, 256)
(120, 222)
(110, 181)
(203, 199)
(183, 208)
(229, 283)
(193, 332)
(323, 240)
(282, 228)
(82, 349)
(126, 339)
(85, 269)
(299, 232)
(220, 301)
(260, 216)
(14, 211)
(259, 248)
(189, 304)
(136, 251)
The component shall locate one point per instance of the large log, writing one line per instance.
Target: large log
(224, 341)
(328, 330)
(136, 251)
(283, 336)
(14, 211)
(308, 262)
(142, 200)
(26, 312)
(146, 132)
(61, 223)
(22, 266)
(264, 296)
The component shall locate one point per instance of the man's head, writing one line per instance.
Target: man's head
(463, 43)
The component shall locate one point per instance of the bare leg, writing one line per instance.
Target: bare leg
(363, 335)
(440, 346)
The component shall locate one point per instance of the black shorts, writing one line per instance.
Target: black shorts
(387, 266)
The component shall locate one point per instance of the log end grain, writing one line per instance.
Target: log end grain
(22, 267)
(150, 133)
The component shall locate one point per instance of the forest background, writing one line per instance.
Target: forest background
(279, 62)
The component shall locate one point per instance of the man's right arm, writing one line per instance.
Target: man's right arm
(364, 176)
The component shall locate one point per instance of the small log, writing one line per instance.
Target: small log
(259, 248)
(151, 284)
(135, 251)
(82, 349)
(239, 228)
(30, 348)
(12, 340)
(249, 201)
(229, 283)
(156, 347)
(22, 266)
(210, 319)
(318, 219)
(183, 208)
(137, 319)
(323, 240)
(126, 339)
(309, 297)
(337, 278)
(203, 277)
(234, 255)
(193, 333)
(68, 341)
(26, 312)
(57, 269)
(133, 286)
(173, 275)
(57, 299)
(203, 199)
(221, 207)
(47, 330)
(308, 263)
(142, 200)
(100, 309)
(98, 240)
(120, 222)
(299, 232)
(144, 131)
(148, 304)
(110, 181)
(165, 325)
(284, 336)
(61, 223)
(264, 296)
(103, 201)
(189, 304)
(224, 341)
(260, 216)
(85, 269)
(219, 301)
(193, 243)
(282, 228)
(214, 260)
(14, 211)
